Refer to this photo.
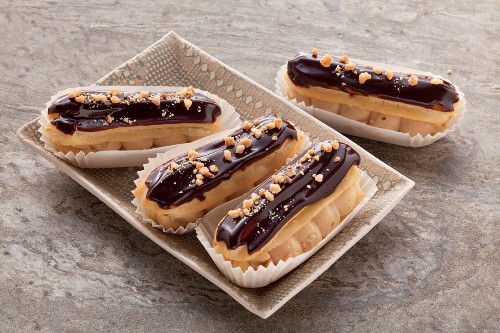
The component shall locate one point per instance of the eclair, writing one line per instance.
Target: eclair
(185, 188)
(100, 120)
(293, 210)
(404, 102)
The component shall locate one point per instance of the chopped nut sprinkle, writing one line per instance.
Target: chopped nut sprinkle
(255, 197)
(278, 122)
(234, 213)
(326, 61)
(115, 100)
(199, 182)
(350, 66)
(73, 94)
(227, 155)
(114, 92)
(246, 211)
(188, 103)
(193, 154)
(239, 149)
(270, 126)
(274, 138)
(174, 165)
(213, 168)
(310, 151)
(229, 140)
(290, 172)
(144, 94)
(80, 99)
(247, 203)
(436, 81)
(377, 70)
(155, 100)
(247, 125)
(258, 134)
(199, 165)
(343, 59)
(109, 119)
(335, 144)
(274, 188)
(262, 192)
(246, 142)
(269, 196)
(336, 159)
(318, 178)
(363, 77)
(389, 74)
(314, 52)
(413, 80)
(204, 171)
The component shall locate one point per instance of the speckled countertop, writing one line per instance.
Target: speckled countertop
(69, 263)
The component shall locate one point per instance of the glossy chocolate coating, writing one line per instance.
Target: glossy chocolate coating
(268, 217)
(92, 116)
(170, 189)
(305, 70)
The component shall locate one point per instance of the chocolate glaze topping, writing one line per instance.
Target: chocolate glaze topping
(132, 110)
(305, 70)
(265, 218)
(174, 182)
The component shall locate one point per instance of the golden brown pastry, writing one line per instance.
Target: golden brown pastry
(187, 187)
(292, 211)
(112, 120)
(404, 102)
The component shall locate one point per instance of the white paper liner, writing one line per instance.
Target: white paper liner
(171, 154)
(263, 276)
(128, 158)
(353, 127)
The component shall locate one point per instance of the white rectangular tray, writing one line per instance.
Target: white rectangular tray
(174, 61)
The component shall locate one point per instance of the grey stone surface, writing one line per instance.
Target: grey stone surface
(69, 263)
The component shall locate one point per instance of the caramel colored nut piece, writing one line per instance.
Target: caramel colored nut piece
(318, 178)
(229, 140)
(343, 59)
(204, 171)
(234, 213)
(350, 66)
(413, 80)
(258, 134)
(109, 119)
(114, 92)
(213, 168)
(269, 196)
(290, 172)
(270, 126)
(193, 154)
(246, 142)
(188, 103)
(199, 182)
(389, 74)
(174, 165)
(199, 165)
(326, 61)
(247, 125)
(246, 211)
(144, 94)
(155, 100)
(436, 81)
(72, 94)
(115, 100)
(274, 138)
(310, 151)
(255, 197)
(314, 52)
(449, 72)
(247, 203)
(262, 192)
(239, 149)
(336, 159)
(199, 176)
(335, 144)
(274, 188)
(377, 70)
(363, 77)
(80, 99)
(278, 122)
(227, 155)
(328, 148)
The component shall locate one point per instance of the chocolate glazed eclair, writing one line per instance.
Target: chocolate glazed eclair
(187, 187)
(404, 102)
(111, 120)
(292, 211)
